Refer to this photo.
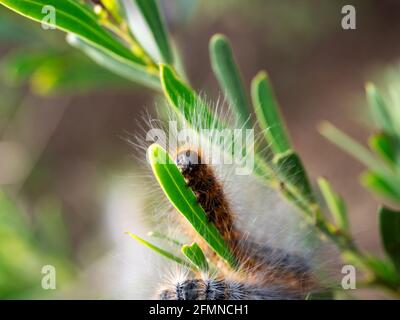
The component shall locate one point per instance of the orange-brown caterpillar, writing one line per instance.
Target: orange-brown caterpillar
(274, 262)
(261, 267)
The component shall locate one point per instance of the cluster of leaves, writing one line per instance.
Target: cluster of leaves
(382, 160)
(45, 64)
(131, 40)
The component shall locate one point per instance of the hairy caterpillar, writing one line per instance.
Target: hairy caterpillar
(273, 262)
(212, 289)
(276, 274)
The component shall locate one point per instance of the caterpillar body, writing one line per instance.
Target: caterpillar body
(263, 232)
(271, 273)
(213, 289)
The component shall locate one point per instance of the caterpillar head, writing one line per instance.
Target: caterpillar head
(187, 161)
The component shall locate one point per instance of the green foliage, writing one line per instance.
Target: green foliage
(49, 73)
(151, 27)
(160, 251)
(268, 114)
(184, 100)
(184, 200)
(196, 255)
(335, 203)
(196, 259)
(125, 68)
(74, 17)
(104, 41)
(382, 177)
(390, 233)
(228, 75)
(382, 159)
(114, 8)
(380, 111)
(162, 236)
(384, 146)
(291, 168)
(380, 184)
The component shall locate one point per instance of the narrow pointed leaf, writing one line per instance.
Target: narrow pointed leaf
(184, 200)
(123, 67)
(351, 146)
(75, 17)
(379, 109)
(382, 269)
(228, 75)
(383, 145)
(184, 100)
(291, 169)
(335, 203)
(113, 6)
(160, 251)
(386, 186)
(268, 114)
(148, 27)
(196, 255)
(162, 236)
(189, 105)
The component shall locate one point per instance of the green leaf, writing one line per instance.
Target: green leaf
(148, 27)
(117, 64)
(183, 199)
(160, 251)
(56, 72)
(383, 145)
(228, 75)
(390, 233)
(75, 17)
(196, 255)
(335, 203)
(162, 236)
(383, 270)
(384, 185)
(113, 7)
(268, 114)
(351, 146)
(291, 169)
(379, 109)
(189, 105)
(184, 100)
(380, 178)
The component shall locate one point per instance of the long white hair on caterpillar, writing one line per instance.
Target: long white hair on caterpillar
(268, 238)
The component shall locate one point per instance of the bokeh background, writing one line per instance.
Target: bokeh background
(72, 178)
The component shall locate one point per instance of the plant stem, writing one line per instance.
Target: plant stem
(131, 41)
